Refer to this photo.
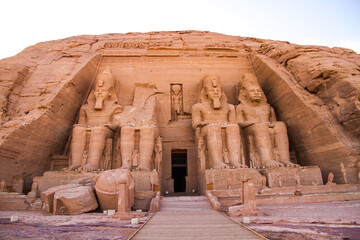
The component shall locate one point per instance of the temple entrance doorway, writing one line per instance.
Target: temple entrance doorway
(179, 169)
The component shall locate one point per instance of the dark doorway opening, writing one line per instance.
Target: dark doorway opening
(179, 169)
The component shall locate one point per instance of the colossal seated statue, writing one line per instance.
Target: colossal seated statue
(258, 121)
(139, 129)
(210, 117)
(97, 118)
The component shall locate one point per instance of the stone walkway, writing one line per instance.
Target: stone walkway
(191, 218)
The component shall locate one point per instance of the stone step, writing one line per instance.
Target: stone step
(184, 198)
(205, 204)
(184, 203)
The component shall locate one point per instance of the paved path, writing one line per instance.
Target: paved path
(191, 218)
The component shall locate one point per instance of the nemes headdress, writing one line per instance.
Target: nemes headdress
(249, 80)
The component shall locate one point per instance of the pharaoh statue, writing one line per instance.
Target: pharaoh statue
(97, 118)
(258, 121)
(139, 128)
(213, 116)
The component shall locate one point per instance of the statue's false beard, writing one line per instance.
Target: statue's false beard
(216, 103)
(98, 104)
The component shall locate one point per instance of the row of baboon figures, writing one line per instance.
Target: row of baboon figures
(216, 122)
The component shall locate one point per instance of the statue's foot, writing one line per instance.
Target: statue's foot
(126, 166)
(143, 167)
(290, 164)
(238, 165)
(272, 163)
(220, 165)
(71, 168)
(88, 168)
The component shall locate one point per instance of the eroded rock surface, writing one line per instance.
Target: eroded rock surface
(43, 87)
(332, 74)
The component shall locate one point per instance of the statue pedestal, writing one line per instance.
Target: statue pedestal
(146, 186)
(227, 179)
(286, 176)
(146, 180)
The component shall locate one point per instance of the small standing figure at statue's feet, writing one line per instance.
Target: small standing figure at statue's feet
(330, 181)
(343, 171)
(3, 186)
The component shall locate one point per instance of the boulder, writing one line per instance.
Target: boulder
(72, 201)
(107, 188)
(48, 195)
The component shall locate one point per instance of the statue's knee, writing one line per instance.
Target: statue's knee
(280, 127)
(79, 131)
(79, 127)
(147, 133)
(99, 130)
(213, 128)
(233, 128)
(127, 130)
(260, 128)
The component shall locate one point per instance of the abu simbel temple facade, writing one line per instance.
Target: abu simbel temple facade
(117, 121)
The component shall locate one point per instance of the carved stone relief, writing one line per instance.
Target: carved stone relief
(177, 108)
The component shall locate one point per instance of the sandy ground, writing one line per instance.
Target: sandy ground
(39, 225)
(335, 220)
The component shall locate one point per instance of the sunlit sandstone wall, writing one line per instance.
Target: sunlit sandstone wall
(35, 83)
(43, 113)
(170, 68)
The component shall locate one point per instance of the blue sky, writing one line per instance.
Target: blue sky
(317, 22)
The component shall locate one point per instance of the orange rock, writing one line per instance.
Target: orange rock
(313, 90)
(72, 201)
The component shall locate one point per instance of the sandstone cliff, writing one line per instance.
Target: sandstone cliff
(315, 90)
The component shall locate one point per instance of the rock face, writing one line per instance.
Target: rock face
(313, 90)
(330, 74)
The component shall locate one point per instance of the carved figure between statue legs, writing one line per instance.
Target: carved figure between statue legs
(176, 101)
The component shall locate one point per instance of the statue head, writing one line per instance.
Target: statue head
(104, 87)
(251, 90)
(212, 90)
(176, 88)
